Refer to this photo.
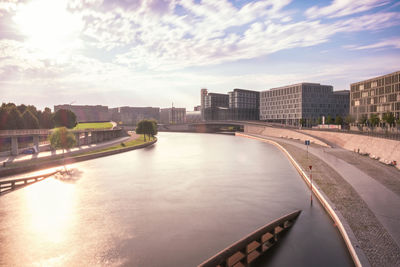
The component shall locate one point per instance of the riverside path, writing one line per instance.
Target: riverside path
(384, 203)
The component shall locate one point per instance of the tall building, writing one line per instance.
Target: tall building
(132, 115)
(307, 101)
(87, 113)
(216, 107)
(173, 115)
(244, 104)
(376, 96)
(239, 104)
(203, 94)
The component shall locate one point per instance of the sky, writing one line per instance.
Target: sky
(161, 53)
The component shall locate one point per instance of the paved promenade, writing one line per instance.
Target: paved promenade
(381, 236)
(83, 148)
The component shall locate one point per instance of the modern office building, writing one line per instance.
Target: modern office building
(244, 104)
(376, 96)
(132, 115)
(240, 104)
(307, 101)
(87, 113)
(173, 115)
(216, 107)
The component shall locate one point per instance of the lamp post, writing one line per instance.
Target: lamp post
(311, 187)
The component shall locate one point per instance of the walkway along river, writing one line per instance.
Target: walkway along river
(172, 204)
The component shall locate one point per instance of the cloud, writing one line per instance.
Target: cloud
(391, 42)
(340, 8)
(142, 47)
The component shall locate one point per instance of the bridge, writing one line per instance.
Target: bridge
(216, 126)
(87, 136)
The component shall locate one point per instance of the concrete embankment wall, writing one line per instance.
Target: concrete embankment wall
(282, 133)
(387, 150)
(67, 160)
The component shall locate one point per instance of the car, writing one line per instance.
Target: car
(30, 150)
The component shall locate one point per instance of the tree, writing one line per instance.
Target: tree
(8, 105)
(329, 119)
(148, 127)
(3, 118)
(389, 118)
(319, 120)
(140, 129)
(349, 119)
(374, 120)
(30, 121)
(302, 121)
(21, 108)
(339, 120)
(363, 119)
(45, 119)
(154, 128)
(64, 118)
(63, 139)
(14, 119)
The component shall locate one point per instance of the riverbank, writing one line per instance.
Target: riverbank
(135, 142)
(371, 236)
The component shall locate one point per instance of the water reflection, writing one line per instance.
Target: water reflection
(50, 207)
(175, 204)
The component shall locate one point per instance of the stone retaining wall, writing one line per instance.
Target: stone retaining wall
(282, 133)
(385, 150)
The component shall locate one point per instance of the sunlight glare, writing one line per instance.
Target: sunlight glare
(49, 27)
(51, 207)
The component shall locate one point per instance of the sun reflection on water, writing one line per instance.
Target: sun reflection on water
(50, 205)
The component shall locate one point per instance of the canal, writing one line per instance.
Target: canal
(172, 204)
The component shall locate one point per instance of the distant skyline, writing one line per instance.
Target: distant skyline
(155, 53)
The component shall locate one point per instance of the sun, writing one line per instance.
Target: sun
(50, 29)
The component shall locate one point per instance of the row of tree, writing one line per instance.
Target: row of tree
(373, 120)
(13, 117)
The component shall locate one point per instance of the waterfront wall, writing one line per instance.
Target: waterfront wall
(281, 133)
(68, 160)
(385, 150)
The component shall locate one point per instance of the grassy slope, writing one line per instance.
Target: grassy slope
(131, 143)
(93, 125)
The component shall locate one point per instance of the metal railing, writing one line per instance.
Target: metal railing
(10, 185)
(246, 250)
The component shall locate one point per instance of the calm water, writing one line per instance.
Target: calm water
(173, 204)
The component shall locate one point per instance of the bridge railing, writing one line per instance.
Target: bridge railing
(8, 133)
(9, 185)
(246, 250)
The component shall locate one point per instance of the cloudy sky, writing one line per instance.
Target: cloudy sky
(159, 52)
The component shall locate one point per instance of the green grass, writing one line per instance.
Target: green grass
(132, 143)
(93, 125)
